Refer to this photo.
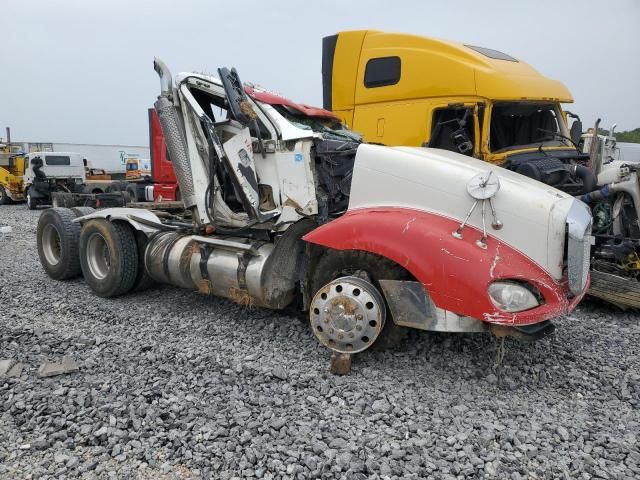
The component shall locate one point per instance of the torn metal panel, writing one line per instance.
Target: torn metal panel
(335, 157)
(412, 307)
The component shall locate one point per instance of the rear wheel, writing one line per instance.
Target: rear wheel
(109, 257)
(58, 237)
(82, 211)
(63, 199)
(32, 202)
(348, 305)
(133, 192)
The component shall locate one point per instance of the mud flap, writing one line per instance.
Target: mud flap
(615, 289)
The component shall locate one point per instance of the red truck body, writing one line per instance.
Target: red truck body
(165, 185)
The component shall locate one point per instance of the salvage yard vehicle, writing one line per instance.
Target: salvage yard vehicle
(616, 213)
(59, 178)
(49, 172)
(399, 89)
(12, 162)
(286, 207)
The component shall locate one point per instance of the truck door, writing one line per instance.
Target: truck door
(239, 156)
(223, 141)
(455, 127)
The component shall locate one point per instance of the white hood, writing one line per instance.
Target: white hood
(534, 214)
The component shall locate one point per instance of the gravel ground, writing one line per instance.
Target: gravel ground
(175, 385)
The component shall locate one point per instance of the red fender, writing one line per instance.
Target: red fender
(455, 273)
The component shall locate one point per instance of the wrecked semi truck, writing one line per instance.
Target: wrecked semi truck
(285, 207)
(398, 89)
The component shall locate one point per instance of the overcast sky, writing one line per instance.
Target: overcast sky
(81, 70)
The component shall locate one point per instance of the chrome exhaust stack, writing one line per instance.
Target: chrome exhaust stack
(174, 134)
(166, 81)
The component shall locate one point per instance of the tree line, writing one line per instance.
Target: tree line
(630, 136)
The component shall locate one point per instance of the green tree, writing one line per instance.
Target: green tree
(630, 136)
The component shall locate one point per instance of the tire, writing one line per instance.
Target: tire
(32, 202)
(58, 238)
(133, 192)
(117, 186)
(82, 211)
(63, 199)
(108, 257)
(334, 264)
(4, 198)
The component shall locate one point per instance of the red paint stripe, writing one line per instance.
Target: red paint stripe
(456, 273)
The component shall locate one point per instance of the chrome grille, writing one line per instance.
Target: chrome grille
(579, 246)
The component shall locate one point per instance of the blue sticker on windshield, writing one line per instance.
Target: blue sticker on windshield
(298, 157)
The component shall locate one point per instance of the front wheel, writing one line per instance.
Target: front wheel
(348, 313)
(108, 257)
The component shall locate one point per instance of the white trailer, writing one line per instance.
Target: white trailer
(110, 158)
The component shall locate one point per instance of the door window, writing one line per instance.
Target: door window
(57, 160)
(452, 129)
(382, 71)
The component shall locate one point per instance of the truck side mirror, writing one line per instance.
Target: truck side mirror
(236, 97)
(576, 131)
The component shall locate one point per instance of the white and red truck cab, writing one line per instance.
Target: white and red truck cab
(286, 208)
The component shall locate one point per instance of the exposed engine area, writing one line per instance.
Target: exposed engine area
(566, 171)
(334, 158)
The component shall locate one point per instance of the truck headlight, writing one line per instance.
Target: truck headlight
(512, 296)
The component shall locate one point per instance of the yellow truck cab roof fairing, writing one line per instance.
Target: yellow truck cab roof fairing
(428, 68)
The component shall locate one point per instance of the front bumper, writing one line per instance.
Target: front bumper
(556, 305)
(412, 307)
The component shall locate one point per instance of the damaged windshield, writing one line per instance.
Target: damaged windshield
(525, 125)
(325, 125)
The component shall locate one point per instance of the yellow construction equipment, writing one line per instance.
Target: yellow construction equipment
(12, 166)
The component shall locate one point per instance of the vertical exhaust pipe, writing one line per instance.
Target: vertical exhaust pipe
(174, 134)
(8, 135)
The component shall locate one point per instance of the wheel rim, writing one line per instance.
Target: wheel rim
(51, 244)
(347, 314)
(29, 200)
(98, 256)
